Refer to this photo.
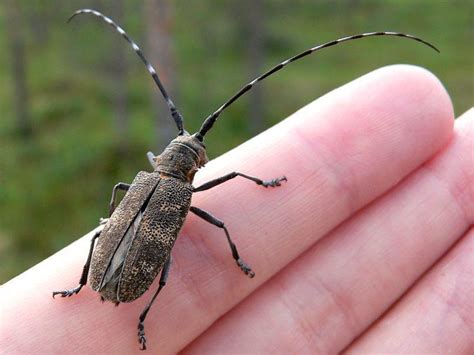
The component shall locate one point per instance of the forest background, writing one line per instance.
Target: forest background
(79, 110)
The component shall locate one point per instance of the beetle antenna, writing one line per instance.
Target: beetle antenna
(207, 124)
(174, 111)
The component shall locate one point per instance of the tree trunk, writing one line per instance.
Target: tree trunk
(255, 28)
(16, 38)
(119, 69)
(39, 18)
(159, 19)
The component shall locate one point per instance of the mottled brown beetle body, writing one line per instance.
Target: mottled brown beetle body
(136, 242)
(126, 260)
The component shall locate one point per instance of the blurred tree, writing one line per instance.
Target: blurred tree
(118, 75)
(159, 15)
(39, 18)
(16, 38)
(255, 30)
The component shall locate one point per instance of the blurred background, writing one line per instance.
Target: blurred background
(79, 110)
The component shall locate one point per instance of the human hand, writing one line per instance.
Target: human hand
(354, 252)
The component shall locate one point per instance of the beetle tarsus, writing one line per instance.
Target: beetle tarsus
(235, 254)
(274, 182)
(141, 336)
(210, 184)
(141, 319)
(68, 293)
(85, 272)
(245, 268)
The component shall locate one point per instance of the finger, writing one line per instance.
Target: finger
(331, 294)
(436, 316)
(338, 154)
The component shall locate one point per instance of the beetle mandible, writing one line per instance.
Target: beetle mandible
(136, 241)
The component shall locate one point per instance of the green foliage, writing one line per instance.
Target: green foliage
(55, 185)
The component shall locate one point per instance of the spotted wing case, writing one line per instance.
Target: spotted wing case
(114, 231)
(161, 222)
(139, 236)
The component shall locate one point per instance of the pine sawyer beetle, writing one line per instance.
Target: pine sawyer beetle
(136, 241)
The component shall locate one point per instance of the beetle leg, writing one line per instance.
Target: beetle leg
(85, 272)
(213, 220)
(210, 184)
(120, 186)
(151, 159)
(141, 326)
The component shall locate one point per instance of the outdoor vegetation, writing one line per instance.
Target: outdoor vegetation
(79, 110)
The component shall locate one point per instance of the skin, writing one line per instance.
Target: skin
(367, 248)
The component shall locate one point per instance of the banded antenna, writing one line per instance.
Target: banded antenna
(174, 111)
(207, 124)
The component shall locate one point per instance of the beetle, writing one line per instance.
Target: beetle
(135, 244)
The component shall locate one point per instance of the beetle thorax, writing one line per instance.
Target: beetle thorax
(182, 157)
